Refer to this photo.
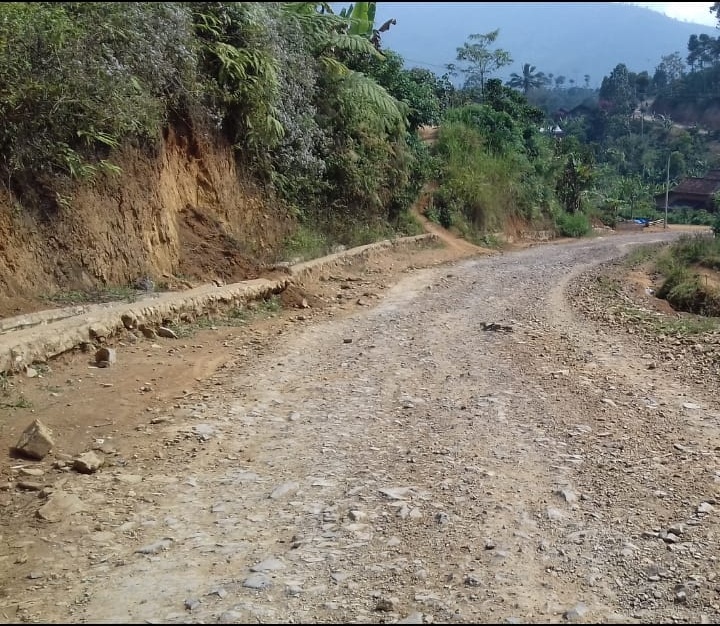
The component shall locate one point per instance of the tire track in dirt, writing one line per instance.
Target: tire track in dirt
(402, 462)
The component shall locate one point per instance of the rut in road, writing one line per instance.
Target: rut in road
(406, 463)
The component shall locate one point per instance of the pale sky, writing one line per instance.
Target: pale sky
(695, 12)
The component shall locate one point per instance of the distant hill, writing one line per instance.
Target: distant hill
(571, 39)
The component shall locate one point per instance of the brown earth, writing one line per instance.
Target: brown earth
(429, 435)
(182, 216)
(164, 370)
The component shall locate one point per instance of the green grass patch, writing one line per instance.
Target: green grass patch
(490, 240)
(309, 242)
(94, 296)
(683, 286)
(700, 249)
(268, 306)
(364, 233)
(235, 317)
(20, 403)
(686, 326)
(643, 254)
(304, 244)
(407, 225)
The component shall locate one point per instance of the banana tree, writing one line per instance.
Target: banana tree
(576, 177)
(361, 17)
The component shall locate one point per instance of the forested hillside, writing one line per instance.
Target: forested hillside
(181, 138)
(578, 42)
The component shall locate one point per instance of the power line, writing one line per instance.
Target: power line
(444, 67)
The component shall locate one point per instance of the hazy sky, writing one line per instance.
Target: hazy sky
(695, 12)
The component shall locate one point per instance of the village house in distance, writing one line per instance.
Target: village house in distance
(693, 192)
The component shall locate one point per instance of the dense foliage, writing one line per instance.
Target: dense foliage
(326, 119)
(310, 105)
(684, 285)
(495, 164)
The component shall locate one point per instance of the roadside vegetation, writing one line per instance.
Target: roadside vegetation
(687, 271)
(314, 111)
(324, 118)
(691, 272)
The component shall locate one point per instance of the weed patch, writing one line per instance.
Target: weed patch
(643, 254)
(235, 317)
(94, 296)
(20, 403)
(573, 224)
(683, 287)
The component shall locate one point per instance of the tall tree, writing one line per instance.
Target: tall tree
(702, 51)
(618, 90)
(479, 61)
(633, 191)
(642, 84)
(673, 66)
(528, 80)
(576, 177)
(715, 10)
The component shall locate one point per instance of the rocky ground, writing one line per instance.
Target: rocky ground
(423, 438)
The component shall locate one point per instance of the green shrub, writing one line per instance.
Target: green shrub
(700, 249)
(76, 79)
(697, 217)
(486, 185)
(305, 243)
(407, 225)
(682, 286)
(690, 293)
(572, 224)
(716, 226)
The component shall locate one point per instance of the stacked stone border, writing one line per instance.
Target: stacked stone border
(40, 337)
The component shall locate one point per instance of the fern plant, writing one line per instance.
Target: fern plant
(338, 37)
(245, 86)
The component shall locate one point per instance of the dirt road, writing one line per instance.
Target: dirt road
(455, 445)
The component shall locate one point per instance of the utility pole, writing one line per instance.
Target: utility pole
(667, 190)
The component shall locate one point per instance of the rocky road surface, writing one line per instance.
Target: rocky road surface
(467, 448)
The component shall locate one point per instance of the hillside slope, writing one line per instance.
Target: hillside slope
(568, 39)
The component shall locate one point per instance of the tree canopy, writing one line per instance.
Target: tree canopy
(477, 61)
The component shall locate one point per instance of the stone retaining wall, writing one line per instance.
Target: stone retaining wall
(38, 337)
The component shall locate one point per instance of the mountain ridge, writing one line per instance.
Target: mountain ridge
(572, 39)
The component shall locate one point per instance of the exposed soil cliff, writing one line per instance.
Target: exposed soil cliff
(181, 215)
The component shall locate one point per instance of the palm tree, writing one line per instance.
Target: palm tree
(529, 80)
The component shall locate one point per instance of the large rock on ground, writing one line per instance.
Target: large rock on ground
(35, 441)
(88, 463)
(59, 506)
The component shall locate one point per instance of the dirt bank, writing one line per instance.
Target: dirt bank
(180, 216)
